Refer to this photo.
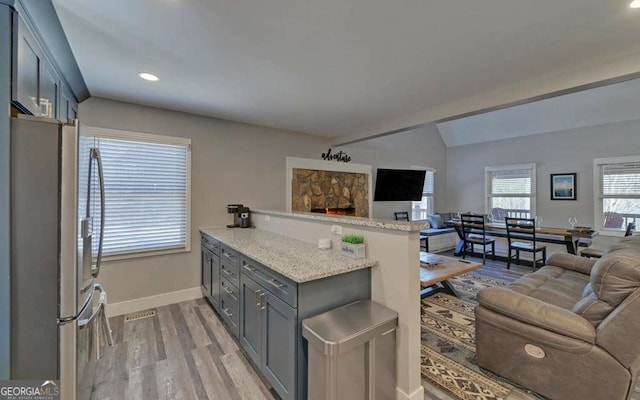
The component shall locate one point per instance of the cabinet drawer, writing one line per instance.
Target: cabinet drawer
(282, 287)
(229, 312)
(229, 255)
(228, 289)
(229, 272)
(211, 244)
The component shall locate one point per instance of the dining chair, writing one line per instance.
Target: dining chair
(474, 233)
(524, 231)
(401, 215)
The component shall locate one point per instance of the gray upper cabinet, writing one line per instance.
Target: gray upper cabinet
(37, 87)
(49, 91)
(27, 66)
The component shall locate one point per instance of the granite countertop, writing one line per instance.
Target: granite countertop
(297, 260)
(406, 226)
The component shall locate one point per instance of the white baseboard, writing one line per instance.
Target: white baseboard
(417, 394)
(144, 303)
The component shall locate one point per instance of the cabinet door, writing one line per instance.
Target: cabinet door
(214, 268)
(279, 343)
(49, 90)
(251, 318)
(25, 87)
(205, 272)
(64, 108)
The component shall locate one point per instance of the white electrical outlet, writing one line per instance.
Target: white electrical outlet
(336, 229)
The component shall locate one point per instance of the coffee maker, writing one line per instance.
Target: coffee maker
(241, 216)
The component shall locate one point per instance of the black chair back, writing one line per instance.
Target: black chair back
(521, 229)
(473, 222)
(401, 215)
(631, 226)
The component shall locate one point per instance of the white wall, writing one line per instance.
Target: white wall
(420, 147)
(559, 152)
(231, 162)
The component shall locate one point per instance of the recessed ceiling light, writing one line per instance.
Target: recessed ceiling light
(148, 77)
(635, 4)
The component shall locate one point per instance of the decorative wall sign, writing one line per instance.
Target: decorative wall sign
(339, 156)
(563, 186)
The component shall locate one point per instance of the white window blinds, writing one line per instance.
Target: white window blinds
(429, 182)
(147, 193)
(620, 194)
(511, 190)
(511, 182)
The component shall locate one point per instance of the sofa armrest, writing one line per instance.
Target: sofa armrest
(536, 312)
(572, 262)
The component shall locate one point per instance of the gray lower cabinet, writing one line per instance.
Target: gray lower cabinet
(210, 270)
(268, 335)
(265, 309)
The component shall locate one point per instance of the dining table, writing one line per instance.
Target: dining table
(558, 235)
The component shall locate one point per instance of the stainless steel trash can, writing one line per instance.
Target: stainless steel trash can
(352, 352)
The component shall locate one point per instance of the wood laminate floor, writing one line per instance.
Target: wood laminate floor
(183, 352)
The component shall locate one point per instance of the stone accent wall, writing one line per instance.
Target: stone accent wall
(329, 189)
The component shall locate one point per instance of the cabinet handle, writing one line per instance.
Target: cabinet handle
(262, 304)
(258, 293)
(227, 313)
(249, 268)
(226, 289)
(227, 272)
(276, 284)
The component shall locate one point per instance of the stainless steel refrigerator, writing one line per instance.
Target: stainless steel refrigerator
(57, 228)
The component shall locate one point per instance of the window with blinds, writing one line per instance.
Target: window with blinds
(511, 190)
(420, 210)
(619, 200)
(147, 192)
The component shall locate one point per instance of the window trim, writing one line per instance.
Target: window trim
(488, 195)
(598, 199)
(433, 195)
(160, 139)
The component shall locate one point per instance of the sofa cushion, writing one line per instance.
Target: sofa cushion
(616, 275)
(553, 285)
(436, 221)
(592, 309)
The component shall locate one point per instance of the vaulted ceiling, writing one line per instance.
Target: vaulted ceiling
(345, 68)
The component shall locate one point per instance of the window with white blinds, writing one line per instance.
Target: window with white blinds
(618, 189)
(420, 210)
(147, 192)
(511, 190)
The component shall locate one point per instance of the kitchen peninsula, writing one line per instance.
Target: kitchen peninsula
(272, 277)
(264, 284)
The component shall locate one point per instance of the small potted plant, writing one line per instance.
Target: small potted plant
(353, 246)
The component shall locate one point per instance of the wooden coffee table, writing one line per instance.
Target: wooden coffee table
(435, 269)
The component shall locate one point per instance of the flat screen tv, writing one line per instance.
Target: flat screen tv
(399, 185)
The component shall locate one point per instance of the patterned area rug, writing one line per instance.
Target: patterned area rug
(448, 343)
(468, 285)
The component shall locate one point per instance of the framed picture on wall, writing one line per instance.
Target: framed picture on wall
(563, 186)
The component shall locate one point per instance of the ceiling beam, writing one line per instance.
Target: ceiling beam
(579, 78)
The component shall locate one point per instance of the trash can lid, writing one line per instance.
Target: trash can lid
(348, 325)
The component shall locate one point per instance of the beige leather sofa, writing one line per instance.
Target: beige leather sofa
(570, 330)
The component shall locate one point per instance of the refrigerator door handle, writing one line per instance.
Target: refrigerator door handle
(95, 154)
